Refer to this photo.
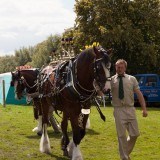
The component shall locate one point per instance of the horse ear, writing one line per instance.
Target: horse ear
(11, 83)
(18, 73)
(110, 52)
(13, 74)
(96, 51)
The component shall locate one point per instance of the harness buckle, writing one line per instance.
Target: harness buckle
(85, 111)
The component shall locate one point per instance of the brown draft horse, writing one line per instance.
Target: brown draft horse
(26, 80)
(72, 92)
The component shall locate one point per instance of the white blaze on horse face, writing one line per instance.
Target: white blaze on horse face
(15, 90)
(107, 73)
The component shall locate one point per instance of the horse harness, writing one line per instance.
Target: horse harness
(72, 84)
(84, 96)
(68, 81)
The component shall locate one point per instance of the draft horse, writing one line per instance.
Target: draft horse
(26, 80)
(74, 89)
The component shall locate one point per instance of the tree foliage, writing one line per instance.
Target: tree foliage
(131, 28)
(23, 56)
(7, 64)
(36, 56)
(43, 51)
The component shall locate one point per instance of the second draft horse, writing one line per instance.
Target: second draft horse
(26, 80)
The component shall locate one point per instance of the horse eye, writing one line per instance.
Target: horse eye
(109, 65)
(12, 83)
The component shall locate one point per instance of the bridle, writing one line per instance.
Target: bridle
(74, 85)
(17, 81)
(98, 65)
(22, 82)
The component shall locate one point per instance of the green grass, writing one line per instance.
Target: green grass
(17, 141)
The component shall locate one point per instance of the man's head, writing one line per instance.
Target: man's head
(121, 66)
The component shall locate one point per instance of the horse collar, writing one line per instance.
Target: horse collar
(74, 87)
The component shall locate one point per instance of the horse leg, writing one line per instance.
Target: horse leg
(65, 138)
(53, 120)
(88, 124)
(38, 116)
(78, 126)
(45, 143)
(35, 111)
(74, 151)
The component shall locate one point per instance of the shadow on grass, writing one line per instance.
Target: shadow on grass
(52, 134)
(92, 132)
(33, 137)
(59, 157)
(150, 108)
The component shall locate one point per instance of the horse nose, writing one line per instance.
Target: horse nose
(16, 97)
(106, 91)
(107, 86)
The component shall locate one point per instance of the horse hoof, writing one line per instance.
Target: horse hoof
(57, 132)
(39, 133)
(65, 153)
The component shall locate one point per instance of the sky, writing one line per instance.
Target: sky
(25, 23)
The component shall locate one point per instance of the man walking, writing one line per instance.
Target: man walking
(123, 87)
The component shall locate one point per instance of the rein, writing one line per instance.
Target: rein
(74, 86)
(96, 70)
(27, 85)
(23, 81)
(77, 82)
(72, 83)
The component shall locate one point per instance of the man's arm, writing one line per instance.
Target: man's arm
(142, 102)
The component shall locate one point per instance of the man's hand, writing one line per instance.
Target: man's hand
(145, 114)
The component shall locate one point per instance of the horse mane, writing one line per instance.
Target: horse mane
(88, 51)
(87, 54)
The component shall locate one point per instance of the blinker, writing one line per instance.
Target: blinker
(12, 83)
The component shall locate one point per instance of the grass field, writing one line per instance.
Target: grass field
(18, 142)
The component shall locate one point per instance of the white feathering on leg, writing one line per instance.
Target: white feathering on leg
(45, 143)
(74, 151)
(39, 126)
(70, 147)
(77, 155)
(128, 138)
(88, 124)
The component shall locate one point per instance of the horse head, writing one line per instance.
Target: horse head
(24, 79)
(102, 68)
(17, 82)
(95, 64)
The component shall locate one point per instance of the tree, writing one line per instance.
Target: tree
(36, 56)
(131, 28)
(23, 55)
(7, 64)
(44, 50)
